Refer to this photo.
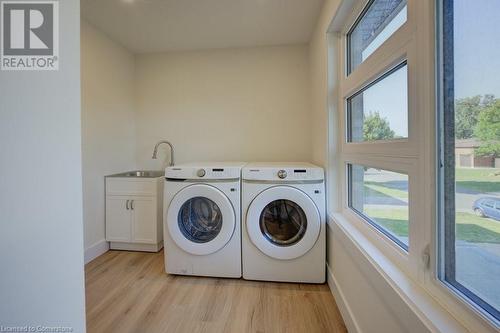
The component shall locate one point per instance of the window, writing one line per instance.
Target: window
(380, 110)
(470, 117)
(381, 197)
(488, 203)
(378, 119)
(392, 157)
(376, 24)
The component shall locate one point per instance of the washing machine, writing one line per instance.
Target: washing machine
(283, 222)
(202, 225)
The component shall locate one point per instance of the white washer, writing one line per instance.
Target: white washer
(202, 226)
(283, 222)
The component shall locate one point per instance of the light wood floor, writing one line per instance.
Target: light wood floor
(130, 292)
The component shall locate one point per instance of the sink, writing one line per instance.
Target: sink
(140, 174)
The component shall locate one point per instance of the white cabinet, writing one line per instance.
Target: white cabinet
(143, 222)
(118, 219)
(134, 213)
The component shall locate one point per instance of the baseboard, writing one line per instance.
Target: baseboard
(136, 246)
(96, 250)
(345, 310)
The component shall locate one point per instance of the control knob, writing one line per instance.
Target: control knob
(282, 174)
(201, 173)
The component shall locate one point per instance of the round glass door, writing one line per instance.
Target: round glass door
(283, 222)
(200, 220)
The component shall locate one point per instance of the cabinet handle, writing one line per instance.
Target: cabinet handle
(132, 204)
(127, 204)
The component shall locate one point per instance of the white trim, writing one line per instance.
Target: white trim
(96, 250)
(406, 260)
(124, 246)
(344, 308)
(426, 308)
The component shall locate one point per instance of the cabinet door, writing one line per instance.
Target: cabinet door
(118, 219)
(144, 220)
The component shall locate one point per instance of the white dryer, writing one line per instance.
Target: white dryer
(202, 225)
(283, 222)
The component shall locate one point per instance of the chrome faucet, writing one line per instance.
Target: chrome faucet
(155, 152)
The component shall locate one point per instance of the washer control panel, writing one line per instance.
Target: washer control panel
(282, 174)
(204, 171)
(285, 172)
(201, 173)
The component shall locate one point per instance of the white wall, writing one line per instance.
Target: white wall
(230, 104)
(318, 62)
(375, 307)
(108, 125)
(41, 237)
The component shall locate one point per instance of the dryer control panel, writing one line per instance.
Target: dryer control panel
(282, 172)
(216, 171)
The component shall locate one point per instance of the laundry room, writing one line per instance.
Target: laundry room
(208, 149)
(250, 166)
(200, 90)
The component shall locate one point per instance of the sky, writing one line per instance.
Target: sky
(389, 97)
(477, 47)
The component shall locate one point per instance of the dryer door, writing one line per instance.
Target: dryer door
(201, 219)
(283, 222)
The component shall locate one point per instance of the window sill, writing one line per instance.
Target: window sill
(425, 307)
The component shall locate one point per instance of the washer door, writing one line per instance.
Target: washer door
(201, 219)
(283, 222)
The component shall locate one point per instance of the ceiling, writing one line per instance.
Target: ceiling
(145, 26)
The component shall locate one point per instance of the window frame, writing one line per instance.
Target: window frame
(398, 48)
(445, 144)
(369, 219)
(399, 155)
(366, 7)
(416, 156)
(405, 259)
(348, 116)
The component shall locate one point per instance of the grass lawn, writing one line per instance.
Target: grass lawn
(469, 227)
(394, 220)
(480, 180)
(475, 229)
(392, 192)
